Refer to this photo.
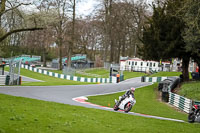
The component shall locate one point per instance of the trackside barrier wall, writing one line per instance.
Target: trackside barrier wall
(153, 79)
(68, 77)
(180, 102)
(176, 100)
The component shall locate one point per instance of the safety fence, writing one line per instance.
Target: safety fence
(2, 79)
(180, 102)
(69, 77)
(153, 79)
(141, 69)
(173, 99)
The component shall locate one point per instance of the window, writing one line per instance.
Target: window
(154, 64)
(132, 63)
(150, 64)
(136, 63)
(147, 64)
(141, 63)
(129, 63)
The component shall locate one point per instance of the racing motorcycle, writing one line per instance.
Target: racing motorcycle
(194, 115)
(125, 105)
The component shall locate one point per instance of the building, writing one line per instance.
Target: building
(139, 65)
(78, 61)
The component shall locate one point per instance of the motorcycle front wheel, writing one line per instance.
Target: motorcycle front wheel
(115, 107)
(191, 117)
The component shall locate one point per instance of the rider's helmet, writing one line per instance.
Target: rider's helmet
(132, 89)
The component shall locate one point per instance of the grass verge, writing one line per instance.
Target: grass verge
(166, 74)
(147, 103)
(128, 75)
(191, 90)
(23, 115)
(48, 80)
(105, 73)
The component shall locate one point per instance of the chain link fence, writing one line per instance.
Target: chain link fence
(69, 71)
(14, 72)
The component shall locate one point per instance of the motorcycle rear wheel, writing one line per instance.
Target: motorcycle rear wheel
(127, 108)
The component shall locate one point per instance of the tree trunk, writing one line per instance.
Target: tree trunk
(73, 36)
(111, 51)
(123, 47)
(69, 57)
(60, 51)
(185, 65)
(119, 51)
(44, 58)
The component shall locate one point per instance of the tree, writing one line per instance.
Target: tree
(4, 10)
(191, 33)
(59, 19)
(162, 37)
(72, 42)
(121, 21)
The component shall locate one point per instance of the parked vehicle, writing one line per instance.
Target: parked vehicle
(125, 105)
(194, 115)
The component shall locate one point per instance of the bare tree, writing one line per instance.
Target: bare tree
(7, 6)
(72, 42)
(122, 22)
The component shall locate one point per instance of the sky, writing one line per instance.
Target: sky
(84, 7)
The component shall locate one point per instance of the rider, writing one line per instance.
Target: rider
(127, 94)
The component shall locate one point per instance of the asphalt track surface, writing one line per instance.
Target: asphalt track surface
(69, 94)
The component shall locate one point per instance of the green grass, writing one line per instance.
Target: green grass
(128, 75)
(191, 90)
(105, 73)
(147, 103)
(166, 74)
(48, 80)
(23, 115)
(76, 74)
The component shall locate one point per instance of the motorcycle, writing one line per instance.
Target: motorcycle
(125, 105)
(194, 115)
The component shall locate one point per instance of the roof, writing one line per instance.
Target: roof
(138, 59)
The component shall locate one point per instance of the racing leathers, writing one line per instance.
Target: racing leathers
(127, 94)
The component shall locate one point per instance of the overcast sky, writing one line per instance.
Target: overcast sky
(84, 8)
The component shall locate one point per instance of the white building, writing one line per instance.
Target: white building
(136, 64)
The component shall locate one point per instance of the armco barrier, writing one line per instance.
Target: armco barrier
(180, 102)
(153, 79)
(68, 77)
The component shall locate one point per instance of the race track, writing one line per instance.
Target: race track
(68, 94)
